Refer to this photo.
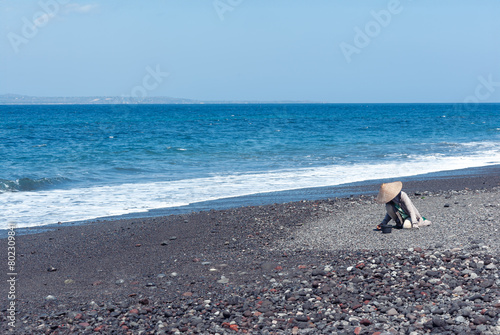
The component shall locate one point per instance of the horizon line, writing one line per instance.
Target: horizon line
(183, 101)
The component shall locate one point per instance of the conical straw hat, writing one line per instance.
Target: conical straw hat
(388, 191)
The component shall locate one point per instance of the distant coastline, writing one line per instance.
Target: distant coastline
(17, 99)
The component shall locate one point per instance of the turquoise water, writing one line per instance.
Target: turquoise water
(75, 162)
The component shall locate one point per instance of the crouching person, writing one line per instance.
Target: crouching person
(399, 207)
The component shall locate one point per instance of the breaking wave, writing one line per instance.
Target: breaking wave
(28, 184)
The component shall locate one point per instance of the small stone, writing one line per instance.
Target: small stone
(69, 281)
(438, 322)
(223, 280)
(172, 238)
(491, 266)
(119, 281)
(480, 320)
(50, 297)
(392, 312)
(446, 205)
(487, 283)
(365, 322)
(51, 269)
(164, 243)
(435, 274)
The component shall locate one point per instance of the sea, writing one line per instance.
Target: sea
(75, 163)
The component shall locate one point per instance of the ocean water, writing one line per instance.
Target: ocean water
(66, 163)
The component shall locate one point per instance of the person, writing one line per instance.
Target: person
(399, 207)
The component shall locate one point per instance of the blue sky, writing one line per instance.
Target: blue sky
(261, 50)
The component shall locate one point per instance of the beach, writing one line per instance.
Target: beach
(218, 168)
(303, 267)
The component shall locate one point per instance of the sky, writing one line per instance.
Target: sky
(340, 51)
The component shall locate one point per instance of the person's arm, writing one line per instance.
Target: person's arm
(386, 220)
(408, 207)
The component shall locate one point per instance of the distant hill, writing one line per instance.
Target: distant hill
(16, 99)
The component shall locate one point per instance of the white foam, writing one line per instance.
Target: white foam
(27, 209)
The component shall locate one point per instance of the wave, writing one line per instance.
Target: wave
(28, 184)
(25, 209)
(481, 145)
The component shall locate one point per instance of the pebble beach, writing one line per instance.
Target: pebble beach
(305, 267)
